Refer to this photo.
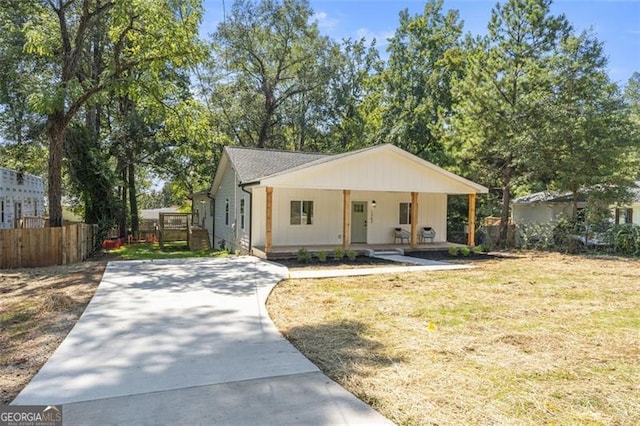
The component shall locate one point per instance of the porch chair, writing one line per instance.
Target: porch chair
(428, 233)
(401, 234)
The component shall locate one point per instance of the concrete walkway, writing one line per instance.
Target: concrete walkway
(188, 342)
(421, 265)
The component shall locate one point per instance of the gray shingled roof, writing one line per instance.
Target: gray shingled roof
(544, 196)
(251, 164)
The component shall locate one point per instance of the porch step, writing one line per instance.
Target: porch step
(394, 252)
(199, 239)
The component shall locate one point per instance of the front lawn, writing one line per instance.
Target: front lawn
(535, 338)
(172, 250)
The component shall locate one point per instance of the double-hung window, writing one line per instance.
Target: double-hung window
(301, 213)
(405, 214)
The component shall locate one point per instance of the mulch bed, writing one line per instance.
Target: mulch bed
(358, 262)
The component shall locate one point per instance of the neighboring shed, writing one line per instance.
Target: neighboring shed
(149, 217)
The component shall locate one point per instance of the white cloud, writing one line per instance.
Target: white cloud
(380, 36)
(326, 23)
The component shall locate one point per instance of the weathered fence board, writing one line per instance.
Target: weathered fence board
(33, 247)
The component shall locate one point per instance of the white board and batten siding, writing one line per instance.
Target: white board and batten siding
(230, 229)
(391, 171)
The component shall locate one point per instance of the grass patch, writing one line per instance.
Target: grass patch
(172, 250)
(537, 338)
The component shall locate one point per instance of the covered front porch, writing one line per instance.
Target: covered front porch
(351, 220)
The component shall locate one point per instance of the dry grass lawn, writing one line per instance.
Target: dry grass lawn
(38, 308)
(536, 338)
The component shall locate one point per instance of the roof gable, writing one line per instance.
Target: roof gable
(378, 168)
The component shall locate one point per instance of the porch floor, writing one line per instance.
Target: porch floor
(290, 252)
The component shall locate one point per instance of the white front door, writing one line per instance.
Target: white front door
(359, 222)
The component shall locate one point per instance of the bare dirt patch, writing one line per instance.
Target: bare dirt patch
(535, 338)
(38, 308)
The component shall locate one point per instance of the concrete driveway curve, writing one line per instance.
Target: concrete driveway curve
(188, 341)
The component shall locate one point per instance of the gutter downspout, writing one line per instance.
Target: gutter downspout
(213, 220)
(242, 187)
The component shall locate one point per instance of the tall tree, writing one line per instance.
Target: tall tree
(632, 99)
(271, 53)
(500, 98)
(21, 146)
(142, 34)
(357, 66)
(585, 138)
(417, 81)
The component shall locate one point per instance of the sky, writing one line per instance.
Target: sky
(614, 22)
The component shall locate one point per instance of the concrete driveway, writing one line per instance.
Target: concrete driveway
(188, 341)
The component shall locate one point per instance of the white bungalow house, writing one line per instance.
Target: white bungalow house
(21, 195)
(266, 200)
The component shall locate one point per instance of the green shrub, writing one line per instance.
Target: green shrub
(453, 251)
(465, 251)
(351, 254)
(338, 253)
(482, 248)
(322, 256)
(536, 236)
(304, 256)
(625, 239)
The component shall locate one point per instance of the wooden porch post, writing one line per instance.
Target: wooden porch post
(346, 218)
(269, 226)
(414, 220)
(471, 239)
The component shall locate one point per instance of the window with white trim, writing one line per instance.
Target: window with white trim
(301, 212)
(405, 214)
(226, 212)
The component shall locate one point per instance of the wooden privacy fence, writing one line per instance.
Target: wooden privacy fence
(33, 247)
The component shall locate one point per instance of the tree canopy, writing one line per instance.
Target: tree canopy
(117, 93)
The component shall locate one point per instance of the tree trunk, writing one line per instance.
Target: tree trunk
(122, 222)
(504, 214)
(574, 204)
(264, 131)
(133, 201)
(55, 133)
